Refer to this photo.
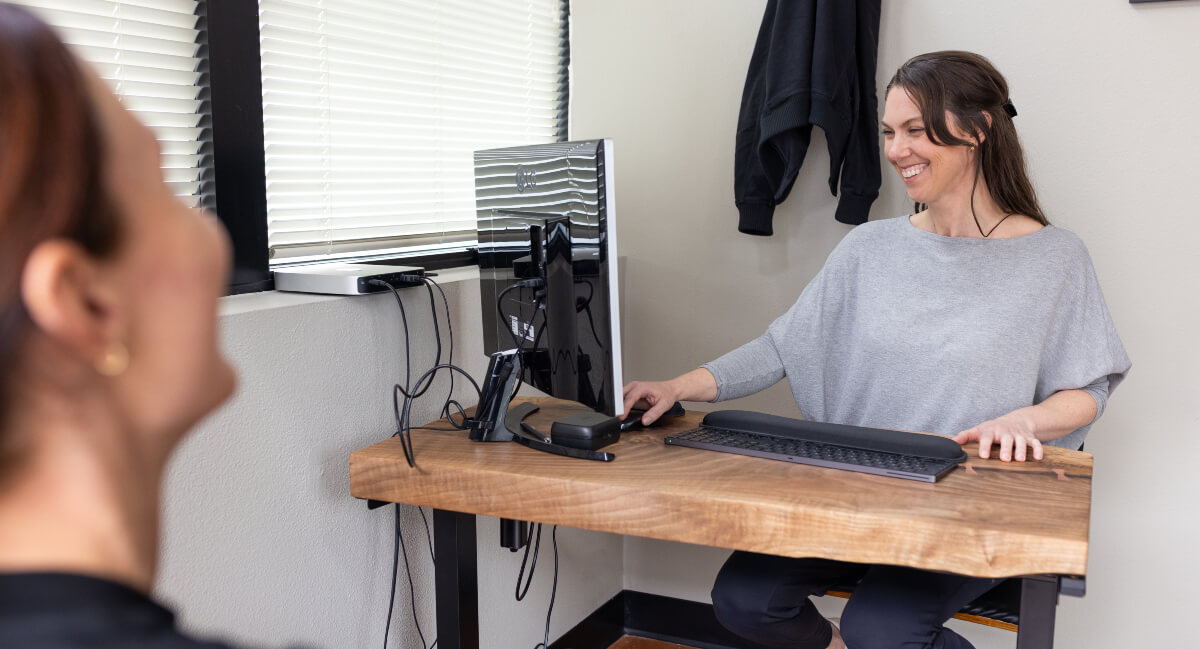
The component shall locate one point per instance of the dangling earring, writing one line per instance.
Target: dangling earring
(115, 360)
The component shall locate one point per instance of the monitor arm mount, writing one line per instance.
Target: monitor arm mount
(491, 423)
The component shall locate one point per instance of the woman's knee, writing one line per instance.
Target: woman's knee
(765, 598)
(738, 597)
(867, 627)
(862, 632)
(885, 623)
(901, 607)
(746, 600)
(746, 588)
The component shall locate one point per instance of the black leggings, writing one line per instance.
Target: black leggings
(764, 599)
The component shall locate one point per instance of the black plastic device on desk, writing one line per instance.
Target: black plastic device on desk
(587, 430)
(527, 435)
(879, 451)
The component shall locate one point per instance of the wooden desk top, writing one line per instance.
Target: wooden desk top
(987, 519)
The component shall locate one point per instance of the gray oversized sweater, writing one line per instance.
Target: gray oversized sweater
(908, 329)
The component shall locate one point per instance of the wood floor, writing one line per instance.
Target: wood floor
(630, 642)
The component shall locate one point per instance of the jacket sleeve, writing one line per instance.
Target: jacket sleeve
(751, 190)
(773, 124)
(861, 169)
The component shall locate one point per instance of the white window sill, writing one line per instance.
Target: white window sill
(231, 305)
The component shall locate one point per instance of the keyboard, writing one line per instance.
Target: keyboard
(878, 451)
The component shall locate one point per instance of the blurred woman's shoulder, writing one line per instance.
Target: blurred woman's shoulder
(58, 610)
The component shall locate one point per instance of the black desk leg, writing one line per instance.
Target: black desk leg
(1039, 599)
(456, 580)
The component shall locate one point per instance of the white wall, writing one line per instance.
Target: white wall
(1106, 92)
(263, 543)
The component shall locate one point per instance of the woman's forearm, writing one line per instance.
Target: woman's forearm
(1061, 413)
(697, 385)
(1026, 428)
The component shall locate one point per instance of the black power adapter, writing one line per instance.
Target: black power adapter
(586, 430)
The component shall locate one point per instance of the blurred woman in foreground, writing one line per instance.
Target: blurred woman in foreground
(108, 350)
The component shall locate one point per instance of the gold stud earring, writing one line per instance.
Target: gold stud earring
(115, 360)
(972, 148)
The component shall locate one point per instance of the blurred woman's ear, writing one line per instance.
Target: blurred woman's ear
(70, 300)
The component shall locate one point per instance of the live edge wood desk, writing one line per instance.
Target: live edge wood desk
(986, 519)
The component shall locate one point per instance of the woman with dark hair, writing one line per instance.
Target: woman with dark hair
(108, 350)
(971, 317)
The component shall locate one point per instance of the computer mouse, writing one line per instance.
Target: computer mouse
(633, 421)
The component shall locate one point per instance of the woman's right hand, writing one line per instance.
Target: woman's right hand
(656, 397)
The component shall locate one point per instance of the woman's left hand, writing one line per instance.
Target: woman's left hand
(1012, 434)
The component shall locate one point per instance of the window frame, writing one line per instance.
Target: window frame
(234, 179)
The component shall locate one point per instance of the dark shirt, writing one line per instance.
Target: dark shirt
(63, 611)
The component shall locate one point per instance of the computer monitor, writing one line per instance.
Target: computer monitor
(548, 271)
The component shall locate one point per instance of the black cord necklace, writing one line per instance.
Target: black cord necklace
(974, 184)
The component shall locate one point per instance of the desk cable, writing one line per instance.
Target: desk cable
(539, 294)
(409, 392)
(535, 542)
(402, 414)
(397, 551)
(536, 545)
(553, 591)
(403, 396)
(538, 285)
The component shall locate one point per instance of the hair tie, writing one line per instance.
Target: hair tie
(1009, 108)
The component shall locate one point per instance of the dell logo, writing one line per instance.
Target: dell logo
(526, 178)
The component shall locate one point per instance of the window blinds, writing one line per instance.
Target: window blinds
(148, 51)
(372, 109)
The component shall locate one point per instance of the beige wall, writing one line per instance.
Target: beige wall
(262, 542)
(1106, 92)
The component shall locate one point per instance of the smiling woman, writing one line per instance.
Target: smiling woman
(108, 355)
(954, 107)
(972, 317)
